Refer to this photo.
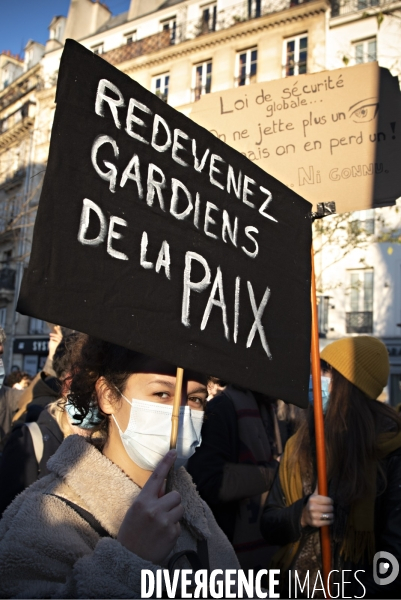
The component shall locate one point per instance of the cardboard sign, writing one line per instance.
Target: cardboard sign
(333, 136)
(153, 234)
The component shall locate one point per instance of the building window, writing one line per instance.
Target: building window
(160, 85)
(37, 327)
(170, 25)
(3, 317)
(362, 4)
(295, 55)
(208, 18)
(395, 389)
(98, 49)
(246, 66)
(130, 37)
(202, 79)
(362, 221)
(323, 314)
(254, 8)
(28, 57)
(360, 318)
(365, 51)
(55, 32)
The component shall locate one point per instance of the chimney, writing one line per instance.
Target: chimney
(84, 18)
(138, 8)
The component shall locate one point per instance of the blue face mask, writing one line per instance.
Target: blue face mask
(92, 418)
(325, 383)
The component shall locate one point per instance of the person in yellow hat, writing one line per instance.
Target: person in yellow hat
(363, 445)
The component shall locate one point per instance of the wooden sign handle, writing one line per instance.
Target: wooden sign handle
(175, 418)
(319, 427)
(176, 407)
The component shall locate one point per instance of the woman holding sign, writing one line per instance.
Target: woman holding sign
(363, 441)
(103, 515)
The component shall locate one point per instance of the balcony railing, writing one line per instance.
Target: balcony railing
(200, 90)
(359, 322)
(232, 15)
(183, 30)
(146, 45)
(21, 87)
(346, 7)
(26, 110)
(162, 96)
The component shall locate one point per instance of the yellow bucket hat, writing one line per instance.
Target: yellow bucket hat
(363, 360)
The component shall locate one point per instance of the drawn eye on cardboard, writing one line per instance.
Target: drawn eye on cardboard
(364, 110)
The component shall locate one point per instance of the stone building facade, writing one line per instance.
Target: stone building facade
(180, 50)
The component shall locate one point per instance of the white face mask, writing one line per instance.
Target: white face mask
(147, 437)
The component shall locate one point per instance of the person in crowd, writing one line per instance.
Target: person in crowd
(103, 513)
(235, 465)
(48, 422)
(14, 403)
(25, 456)
(45, 385)
(3, 338)
(363, 445)
(289, 418)
(18, 380)
(9, 397)
(215, 386)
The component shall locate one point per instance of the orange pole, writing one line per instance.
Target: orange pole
(319, 428)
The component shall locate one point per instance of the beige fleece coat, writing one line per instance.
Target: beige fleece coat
(48, 551)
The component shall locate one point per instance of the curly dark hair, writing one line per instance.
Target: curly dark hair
(15, 377)
(62, 355)
(91, 359)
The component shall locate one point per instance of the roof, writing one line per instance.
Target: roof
(113, 22)
(9, 54)
(56, 18)
(33, 43)
(168, 3)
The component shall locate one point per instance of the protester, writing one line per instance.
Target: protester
(363, 442)
(235, 466)
(215, 386)
(33, 442)
(3, 338)
(25, 456)
(45, 386)
(289, 418)
(88, 528)
(18, 380)
(9, 397)
(14, 403)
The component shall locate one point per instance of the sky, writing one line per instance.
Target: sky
(21, 20)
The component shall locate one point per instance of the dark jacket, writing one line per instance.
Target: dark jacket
(18, 464)
(220, 449)
(282, 525)
(46, 390)
(9, 399)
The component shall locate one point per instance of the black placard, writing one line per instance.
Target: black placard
(153, 234)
